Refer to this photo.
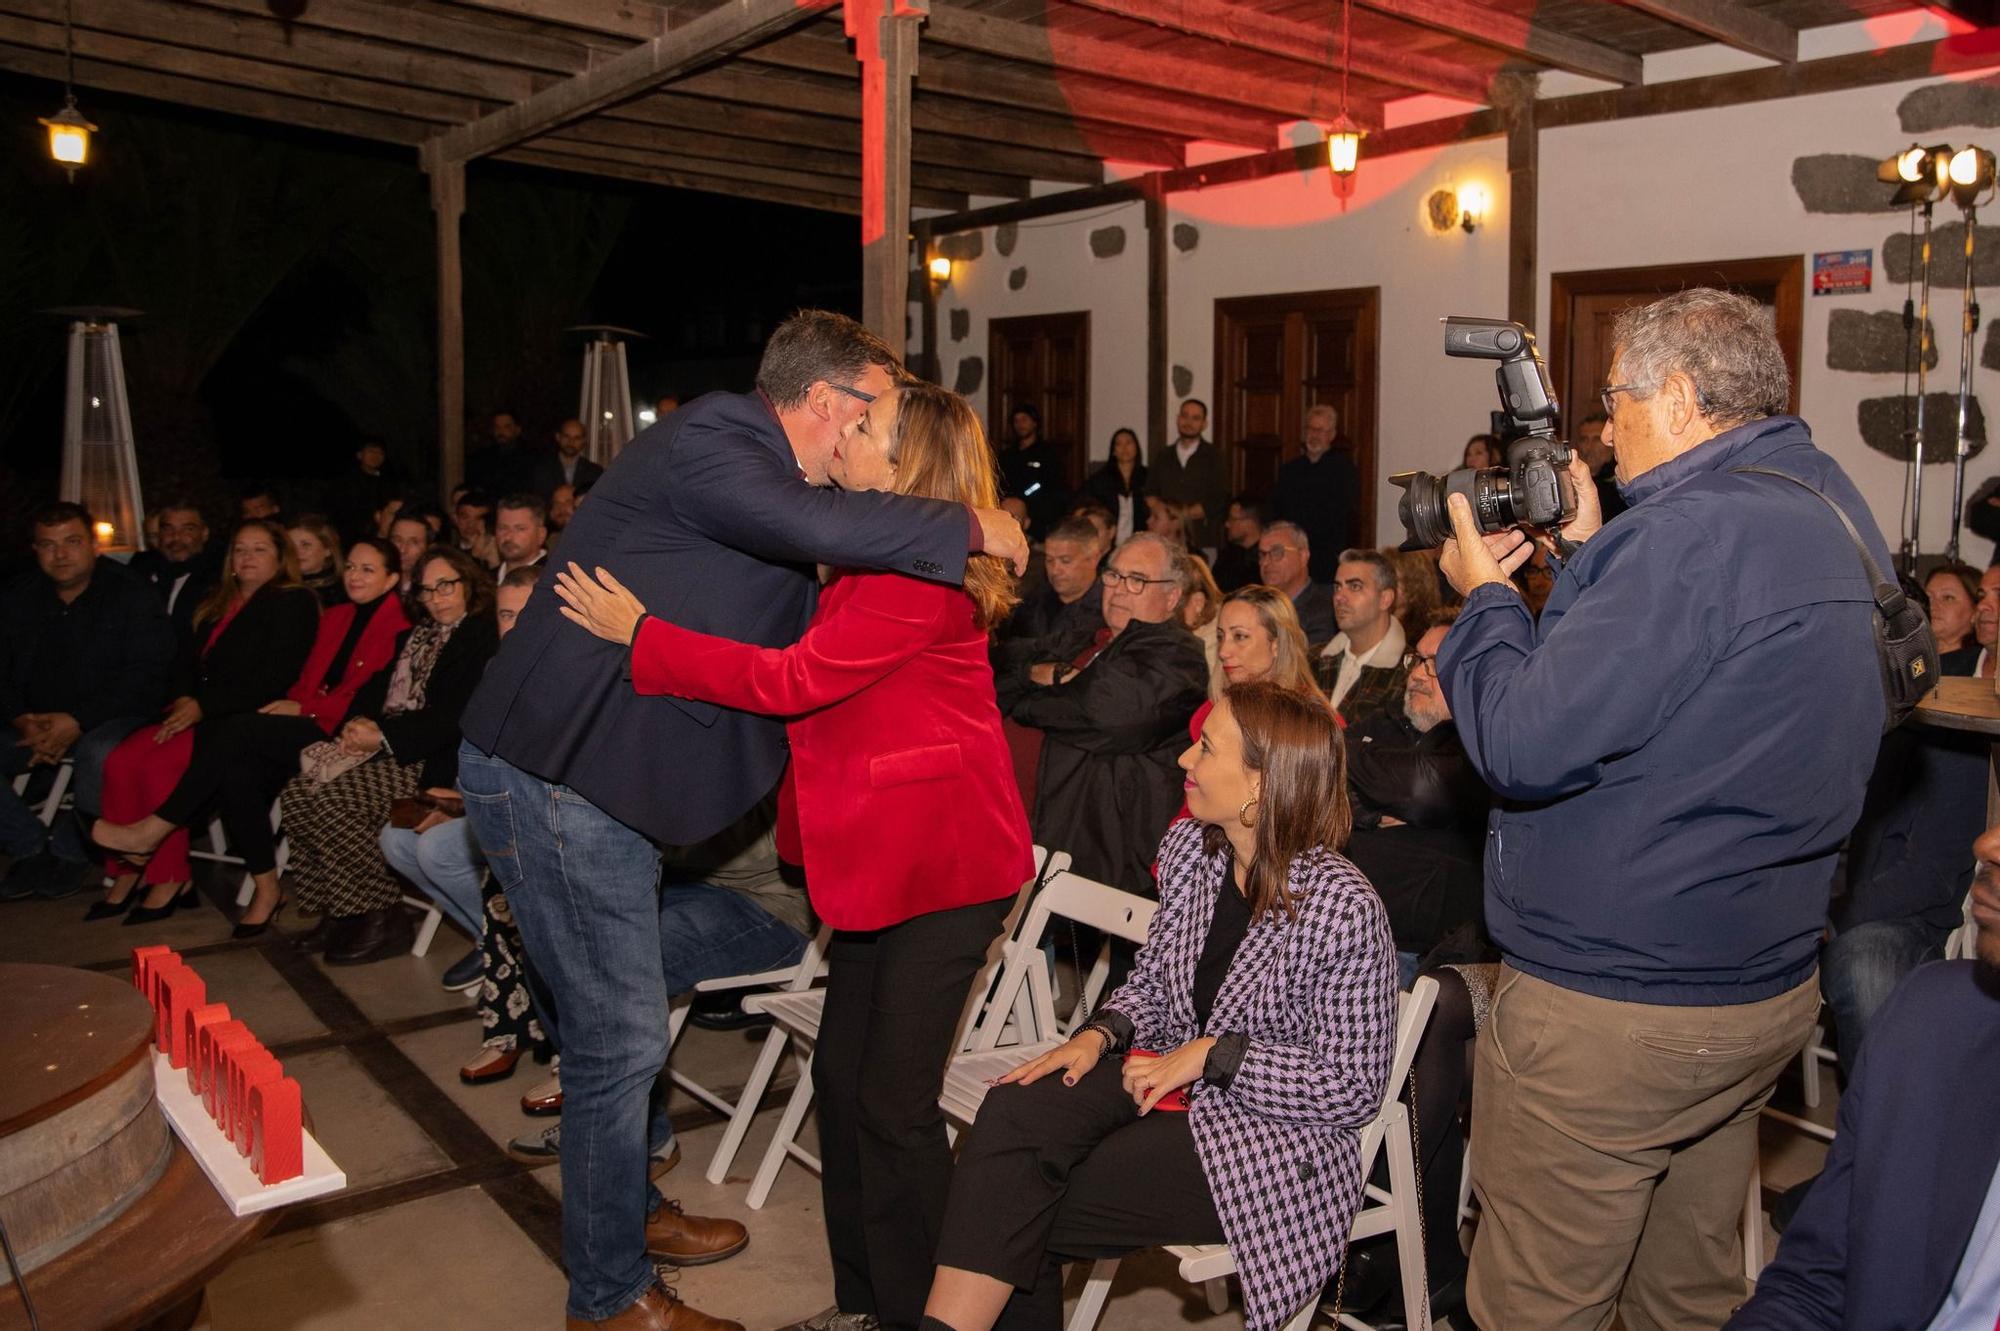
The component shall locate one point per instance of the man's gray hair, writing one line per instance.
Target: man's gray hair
(1725, 342)
(1080, 530)
(1172, 553)
(815, 345)
(1293, 533)
(1385, 572)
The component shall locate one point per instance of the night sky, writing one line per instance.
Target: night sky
(337, 342)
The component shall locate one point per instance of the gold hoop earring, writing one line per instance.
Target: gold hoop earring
(1243, 812)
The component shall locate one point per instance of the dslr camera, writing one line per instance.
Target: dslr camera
(1534, 488)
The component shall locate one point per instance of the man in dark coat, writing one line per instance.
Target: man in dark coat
(1032, 468)
(1070, 596)
(183, 567)
(715, 518)
(85, 653)
(1114, 720)
(565, 466)
(1318, 490)
(1190, 471)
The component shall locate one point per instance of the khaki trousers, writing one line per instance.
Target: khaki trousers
(1612, 1145)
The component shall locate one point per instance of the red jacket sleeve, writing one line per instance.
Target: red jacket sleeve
(375, 652)
(883, 622)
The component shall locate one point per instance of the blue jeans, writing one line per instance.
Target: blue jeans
(707, 932)
(21, 830)
(1862, 965)
(446, 865)
(585, 890)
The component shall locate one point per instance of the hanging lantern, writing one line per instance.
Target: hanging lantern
(69, 136)
(1343, 147)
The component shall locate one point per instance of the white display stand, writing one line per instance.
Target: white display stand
(229, 1172)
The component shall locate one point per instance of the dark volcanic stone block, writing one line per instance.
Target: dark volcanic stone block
(1871, 341)
(1882, 426)
(1017, 278)
(1186, 236)
(1951, 105)
(1840, 183)
(1183, 379)
(963, 246)
(1004, 237)
(1107, 242)
(971, 373)
(961, 324)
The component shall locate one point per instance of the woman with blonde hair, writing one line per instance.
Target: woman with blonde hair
(1259, 638)
(901, 801)
(1201, 604)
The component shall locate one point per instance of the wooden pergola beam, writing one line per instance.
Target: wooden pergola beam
(1307, 43)
(716, 35)
(573, 144)
(1516, 36)
(1094, 59)
(1021, 91)
(689, 180)
(442, 33)
(1730, 23)
(617, 18)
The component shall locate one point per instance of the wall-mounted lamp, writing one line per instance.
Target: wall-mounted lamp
(1472, 204)
(940, 269)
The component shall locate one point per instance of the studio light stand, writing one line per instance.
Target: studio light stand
(1972, 174)
(1921, 176)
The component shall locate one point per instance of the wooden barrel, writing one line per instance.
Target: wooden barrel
(81, 1138)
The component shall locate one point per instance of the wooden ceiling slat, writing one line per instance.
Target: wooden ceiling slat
(689, 180)
(1241, 25)
(618, 18)
(1489, 26)
(1729, 23)
(809, 181)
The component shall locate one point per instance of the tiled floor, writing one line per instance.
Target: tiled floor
(438, 1229)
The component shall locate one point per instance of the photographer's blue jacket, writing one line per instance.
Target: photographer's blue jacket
(1682, 744)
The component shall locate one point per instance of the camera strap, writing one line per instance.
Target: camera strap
(1904, 643)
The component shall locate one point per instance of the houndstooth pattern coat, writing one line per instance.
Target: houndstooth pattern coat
(1316, 997)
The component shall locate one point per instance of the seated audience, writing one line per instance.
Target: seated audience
(1318, 489)
(243, 761)
(1102, 518)
(1071, 598)
(472, 521)
(1112, 717)
(1953, 592)
(1419, 590)
(386, 514)
(401, 736)
(1482, 451)
(562, 507)
(1236, 560)
(521, 532)
(252, 633)
(317, 546)
(1280, 1035)
(1589, 443)
(182, 566)
(257, 500)
(1201, 604)
(1535, 580)
(411, 536)
(1363, 667)
(1902, 1229)
(85, 651)
(1120, 484)
(1167, 520)
(1986, 620)
(362, 491)
(566, 465)
(1284, 554)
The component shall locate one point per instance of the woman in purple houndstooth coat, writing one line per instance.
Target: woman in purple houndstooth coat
(1267, 990)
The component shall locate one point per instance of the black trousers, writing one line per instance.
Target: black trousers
(893, 1001)
(241, 762)
(1053, 1173)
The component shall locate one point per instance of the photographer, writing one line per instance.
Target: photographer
(1680, 746)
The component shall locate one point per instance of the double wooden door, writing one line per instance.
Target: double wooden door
(1043, 361)
(1276, 357)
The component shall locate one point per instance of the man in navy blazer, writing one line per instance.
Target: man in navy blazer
(1901, 1232)
(716, 518)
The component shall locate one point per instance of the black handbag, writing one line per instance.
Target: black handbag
(1904, 643)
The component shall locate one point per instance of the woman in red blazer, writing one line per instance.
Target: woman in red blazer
(244, 760)
(901, 797)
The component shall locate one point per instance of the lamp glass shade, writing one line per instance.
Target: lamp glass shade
(1972, 168)
(69, 136)
(1343, 150)
(940, 269)
(1910, 164)
(1472, 203)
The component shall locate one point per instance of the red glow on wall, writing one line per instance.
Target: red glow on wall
(1308, 198)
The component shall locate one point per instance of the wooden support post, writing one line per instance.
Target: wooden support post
(1515, 99)
(932, 363)
(885, 41)
(1156, 316)
(448, 203)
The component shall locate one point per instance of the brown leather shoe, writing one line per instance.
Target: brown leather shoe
(692, 1240)
(543, 1099)
(658, 1309)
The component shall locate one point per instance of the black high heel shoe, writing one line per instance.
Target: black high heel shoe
(111, 910)
(245, 931)
(186, 899)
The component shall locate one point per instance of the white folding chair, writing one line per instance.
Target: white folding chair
(1383, 1211)
(795, 979)
(52, 802)
(218, 846)
(1815, 1053)
(796, 1018)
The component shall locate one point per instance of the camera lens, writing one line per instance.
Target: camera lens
(1422, 509)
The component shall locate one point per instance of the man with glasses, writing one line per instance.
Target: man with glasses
(1114, 717)
(1284, 555)
(85, 649)
(1680, 744)
(715, 518)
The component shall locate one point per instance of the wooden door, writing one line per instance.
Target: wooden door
(1583, 307)
(1043, 360)
(1278, 356)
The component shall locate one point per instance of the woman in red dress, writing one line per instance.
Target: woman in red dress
(901, 797)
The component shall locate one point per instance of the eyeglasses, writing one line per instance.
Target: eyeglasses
(854, 393)
(1414, 661)
(1131, 582)
(438, 588)
(1274, 552)
(1604, 396)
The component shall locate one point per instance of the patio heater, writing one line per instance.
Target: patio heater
(605, 406)
(100, 468)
